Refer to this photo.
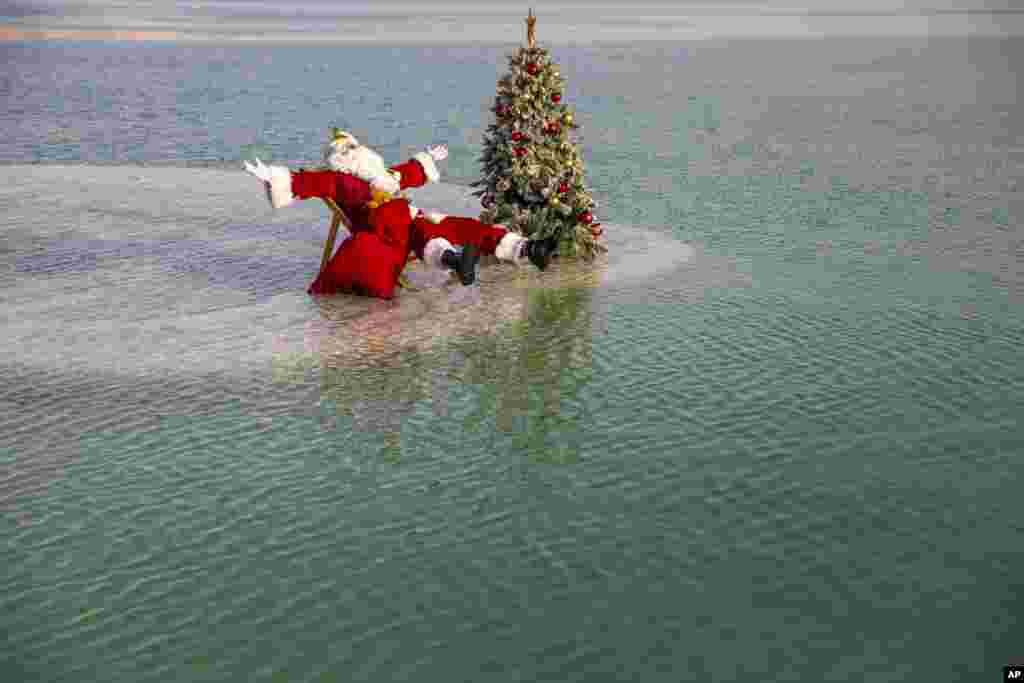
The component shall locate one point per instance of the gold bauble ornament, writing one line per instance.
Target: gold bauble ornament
(567, 118)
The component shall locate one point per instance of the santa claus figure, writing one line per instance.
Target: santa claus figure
(386, 227)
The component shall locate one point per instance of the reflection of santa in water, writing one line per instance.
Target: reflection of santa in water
(385, 226)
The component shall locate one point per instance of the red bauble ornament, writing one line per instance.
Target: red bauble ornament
(563, 188)
(520, 151)
(554, 128)
(517, 136)
(532, 69)
(556, 98)
(586, 217)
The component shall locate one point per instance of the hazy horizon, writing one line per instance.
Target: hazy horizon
(461, 21)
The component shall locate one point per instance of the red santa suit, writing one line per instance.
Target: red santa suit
(385, 227)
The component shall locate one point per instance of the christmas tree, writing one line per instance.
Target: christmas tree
(533, 178)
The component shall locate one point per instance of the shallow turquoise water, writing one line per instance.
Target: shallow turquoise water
(792, 457)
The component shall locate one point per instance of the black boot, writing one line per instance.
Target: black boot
(463, 264)
(539, 251)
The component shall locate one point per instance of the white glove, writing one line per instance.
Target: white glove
(438, 152)
(265, 173)
(259, 170)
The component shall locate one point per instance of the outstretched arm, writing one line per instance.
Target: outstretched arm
(421, 169)
(284, 186)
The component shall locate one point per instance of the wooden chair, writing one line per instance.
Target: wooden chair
(337, 218)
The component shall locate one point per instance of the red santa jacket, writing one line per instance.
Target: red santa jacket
(353, 195)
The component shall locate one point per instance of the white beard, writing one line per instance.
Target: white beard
(363, 163)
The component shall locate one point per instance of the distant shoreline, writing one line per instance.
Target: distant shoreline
(327, 41)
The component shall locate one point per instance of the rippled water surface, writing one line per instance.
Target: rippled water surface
(775, 434)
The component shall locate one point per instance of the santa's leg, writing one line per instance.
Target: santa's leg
(434, 236)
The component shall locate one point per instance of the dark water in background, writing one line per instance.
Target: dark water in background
(796, 458)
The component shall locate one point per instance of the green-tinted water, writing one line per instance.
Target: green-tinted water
(790, 453)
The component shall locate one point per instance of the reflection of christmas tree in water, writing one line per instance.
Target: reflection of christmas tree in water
(533, 179)
(526, 375)
(524, 371)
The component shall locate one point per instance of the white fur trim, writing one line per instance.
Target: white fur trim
(436, 216)
(510, 247)
(434, 250)
(429, 167)
(280, 187)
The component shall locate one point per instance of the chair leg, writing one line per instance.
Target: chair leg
(338, 216)
(329, 245)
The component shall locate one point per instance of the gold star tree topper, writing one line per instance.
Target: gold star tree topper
(531, 27)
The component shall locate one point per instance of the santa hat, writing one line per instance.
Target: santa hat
(338, 139)
(342, 137)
